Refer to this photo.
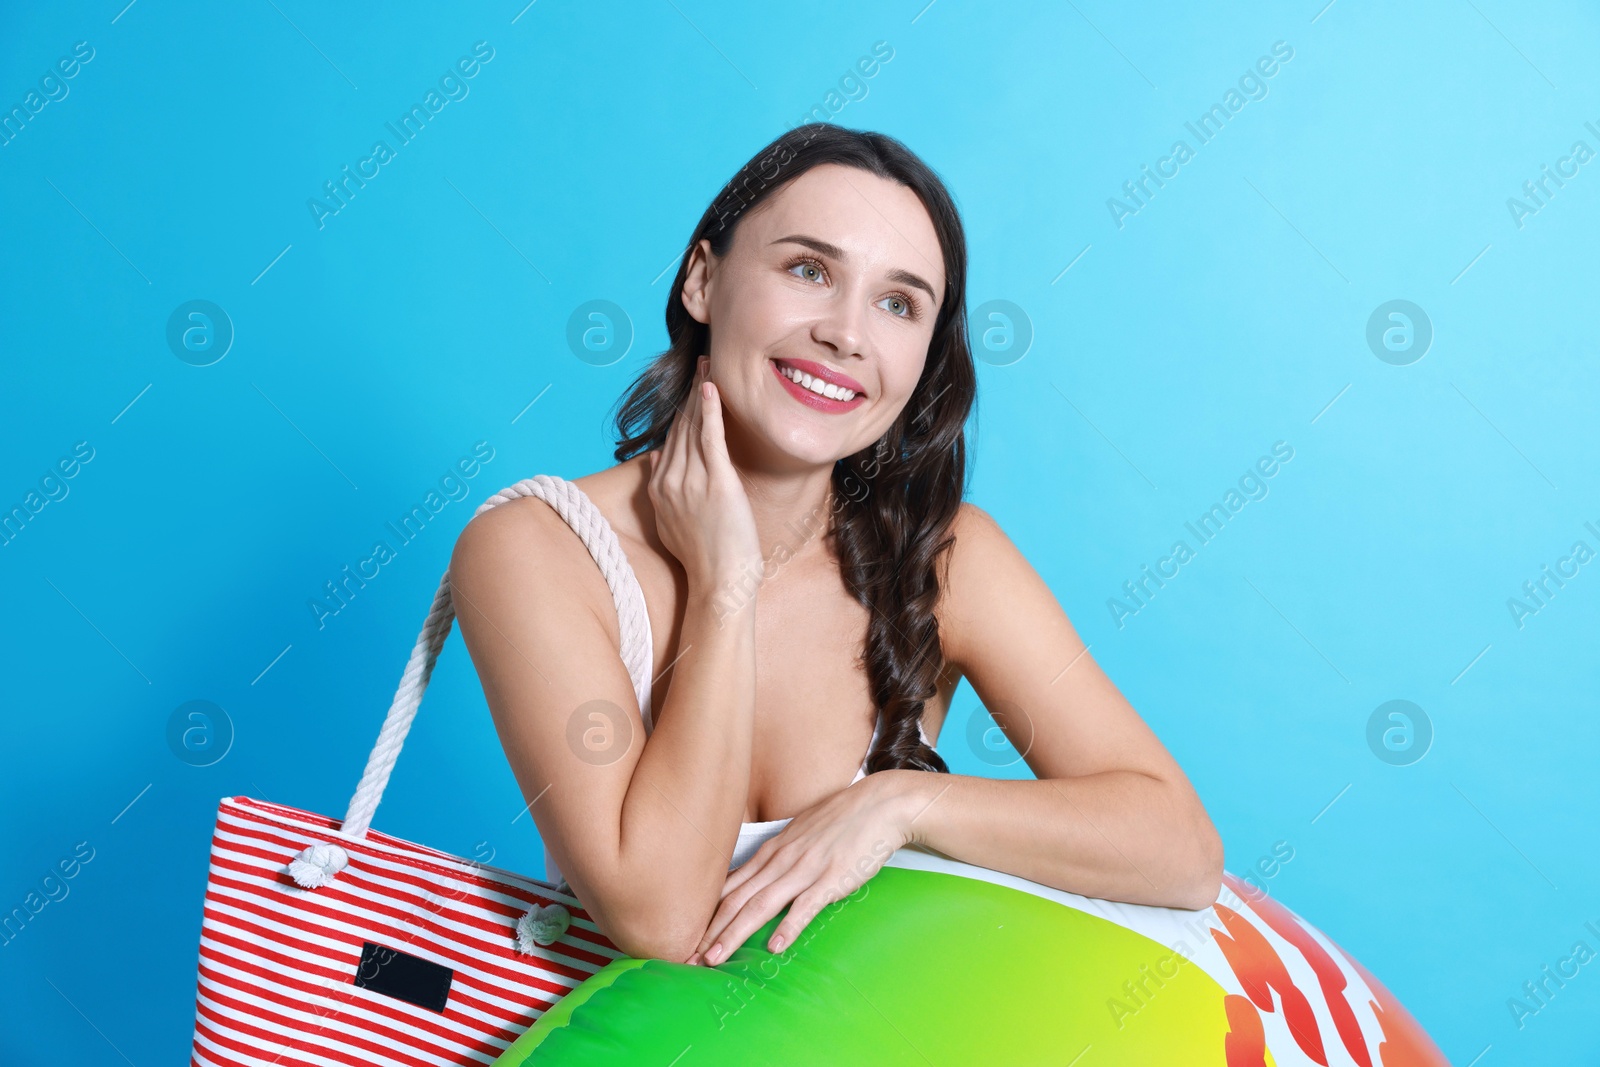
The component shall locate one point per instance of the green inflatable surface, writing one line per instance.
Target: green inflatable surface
(916, 967)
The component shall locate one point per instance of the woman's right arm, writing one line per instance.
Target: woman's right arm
(643, 833)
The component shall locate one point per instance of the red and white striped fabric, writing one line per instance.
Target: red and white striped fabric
(325, 943)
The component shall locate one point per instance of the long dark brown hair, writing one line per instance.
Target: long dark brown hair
(893, 502)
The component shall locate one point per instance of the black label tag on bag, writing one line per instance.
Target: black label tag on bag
(403, 976)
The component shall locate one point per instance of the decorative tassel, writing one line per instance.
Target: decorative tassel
(317, 864)
(541, 925)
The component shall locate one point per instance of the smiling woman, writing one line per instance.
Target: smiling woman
(818, 365)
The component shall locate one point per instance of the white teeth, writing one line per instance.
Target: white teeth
(816, 385)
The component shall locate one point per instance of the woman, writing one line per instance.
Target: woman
(788, 493)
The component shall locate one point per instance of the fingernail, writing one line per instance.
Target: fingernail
(778, 943)
(715, 955)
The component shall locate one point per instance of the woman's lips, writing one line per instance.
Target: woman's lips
(815, 400)
(825, 373)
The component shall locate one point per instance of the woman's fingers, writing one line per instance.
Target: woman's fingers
(714, 929)
(696, 426)
(743, 913)
(712, 443)
(668, 478)
(801, 911)
(672, 460)
(731, 888)
(703, 514)
(750, 867)
(686, 429)
(694, 403)
(740, 886)
(713, 436)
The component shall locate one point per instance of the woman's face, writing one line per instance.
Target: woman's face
(838, 275)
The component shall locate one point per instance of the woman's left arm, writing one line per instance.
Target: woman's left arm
(1111, 814)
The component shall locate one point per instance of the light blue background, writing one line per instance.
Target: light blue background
(1228, 314)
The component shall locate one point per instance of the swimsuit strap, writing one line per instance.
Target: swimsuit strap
(861, 772)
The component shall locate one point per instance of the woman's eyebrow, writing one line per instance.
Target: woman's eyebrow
(833, 251)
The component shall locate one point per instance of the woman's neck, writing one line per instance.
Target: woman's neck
(791, 510)
(790, 500)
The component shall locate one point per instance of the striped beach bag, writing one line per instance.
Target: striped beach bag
(324, 943)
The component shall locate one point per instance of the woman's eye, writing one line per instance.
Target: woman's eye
(900, 306)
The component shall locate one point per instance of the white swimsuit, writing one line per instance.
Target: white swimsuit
(751, 834)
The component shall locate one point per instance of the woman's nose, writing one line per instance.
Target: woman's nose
(843, 324)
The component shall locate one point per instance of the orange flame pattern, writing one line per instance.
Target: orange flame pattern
(1246, 1043)
(1260, 971)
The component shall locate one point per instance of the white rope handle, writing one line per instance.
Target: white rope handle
(318, 864)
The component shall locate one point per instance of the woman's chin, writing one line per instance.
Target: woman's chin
(802, 451)
(786, 442)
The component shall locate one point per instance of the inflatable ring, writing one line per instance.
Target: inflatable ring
(934, 961)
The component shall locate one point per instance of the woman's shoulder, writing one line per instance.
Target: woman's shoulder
(973, 540)
(609, 489)
(979, 558)
(977, 540)
(526, 542)
(969, 516)
(620, 494)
